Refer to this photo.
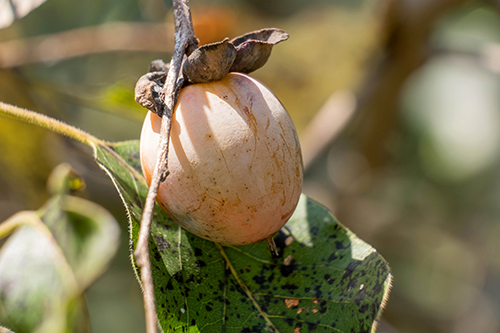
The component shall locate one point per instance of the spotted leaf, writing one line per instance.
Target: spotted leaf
(325, 279)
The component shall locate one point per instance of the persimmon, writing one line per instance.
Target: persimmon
(234, 160)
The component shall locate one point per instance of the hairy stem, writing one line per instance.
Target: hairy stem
(185, 42)
(49, 123)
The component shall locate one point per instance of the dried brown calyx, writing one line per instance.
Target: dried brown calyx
(243, 54)
(254, 48)
(211, 62)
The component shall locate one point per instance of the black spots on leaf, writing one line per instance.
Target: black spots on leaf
(363, 308)
(352, 283)
(314, 231)
(190, 278)
(157, 256)
(351, 267)
(339, 245)
(329, 280)
(289, 321)
(317, 292)
(197, 252)
(200, 263)
(323, 308)
(162, 243)
(134, 161)
(177, 277)
(259, 279)
(169, 285)
(193, 322)
(208, 308)
(312, 326)
(332, 257)
(290, 287)
(286, 270)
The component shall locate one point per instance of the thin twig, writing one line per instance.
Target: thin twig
(185, 42)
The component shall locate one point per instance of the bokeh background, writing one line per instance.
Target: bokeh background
(397, 104)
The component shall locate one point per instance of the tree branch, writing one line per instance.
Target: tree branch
(185, 43)
(89, 40)
(408, 25)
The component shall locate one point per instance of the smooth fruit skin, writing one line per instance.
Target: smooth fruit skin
(234, 160)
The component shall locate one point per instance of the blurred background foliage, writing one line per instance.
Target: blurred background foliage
(405, 150)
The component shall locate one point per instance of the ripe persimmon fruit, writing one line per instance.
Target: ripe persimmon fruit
(234, 160)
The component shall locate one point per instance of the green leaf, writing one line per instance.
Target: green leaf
(51, 257)
(325, 280)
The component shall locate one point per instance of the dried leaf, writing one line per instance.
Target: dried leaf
(255, 48)
(209, 62)
(148, 91)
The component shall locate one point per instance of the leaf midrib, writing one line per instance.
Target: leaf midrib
(245, 289)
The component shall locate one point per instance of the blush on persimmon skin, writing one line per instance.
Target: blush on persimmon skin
(234, 160)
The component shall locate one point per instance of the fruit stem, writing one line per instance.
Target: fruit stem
(271, 245)
(185, 42)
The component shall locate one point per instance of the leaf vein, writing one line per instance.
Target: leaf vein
(305, 298)
(246, 290)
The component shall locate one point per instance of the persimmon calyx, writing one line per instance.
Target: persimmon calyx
(243, 54)
(209, 63)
